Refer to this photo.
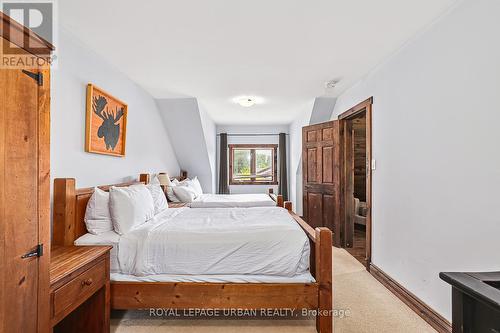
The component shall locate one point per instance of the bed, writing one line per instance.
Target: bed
(208, 200)
(271, 280)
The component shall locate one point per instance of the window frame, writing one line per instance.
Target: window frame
(253, 147)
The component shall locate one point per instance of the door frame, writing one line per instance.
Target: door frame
(363, 107)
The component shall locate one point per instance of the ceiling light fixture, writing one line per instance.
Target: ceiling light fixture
(331, 84)
(246, 101)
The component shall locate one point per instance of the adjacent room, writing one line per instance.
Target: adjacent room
(266, 166)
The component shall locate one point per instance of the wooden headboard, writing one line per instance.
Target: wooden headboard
(70, 204)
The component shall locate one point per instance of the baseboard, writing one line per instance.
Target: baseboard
(434, 319)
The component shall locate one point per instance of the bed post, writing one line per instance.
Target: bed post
(64, 211)
(323, 252)
(144, 178)
(279, 201)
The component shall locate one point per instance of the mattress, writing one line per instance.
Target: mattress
(261, 245)
(232, 200)
(234, 278)
(110, 238)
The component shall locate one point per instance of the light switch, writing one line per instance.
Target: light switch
(374, 164)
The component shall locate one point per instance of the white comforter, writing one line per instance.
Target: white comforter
(232, 200)
(260, 241)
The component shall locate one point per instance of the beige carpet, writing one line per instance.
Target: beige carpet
(366, 305)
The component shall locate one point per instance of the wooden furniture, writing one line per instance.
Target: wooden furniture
(321, 186)
(79, 289)
(24, 181)
(475, 301)
(69, 210)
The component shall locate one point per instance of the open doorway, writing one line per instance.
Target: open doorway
(356, 177)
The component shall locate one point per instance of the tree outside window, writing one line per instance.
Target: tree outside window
(253, 164)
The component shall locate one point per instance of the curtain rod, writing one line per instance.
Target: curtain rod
(251, 134)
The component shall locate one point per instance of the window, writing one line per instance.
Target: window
(253, 164)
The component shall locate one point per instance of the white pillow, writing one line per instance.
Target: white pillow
(97, 216)
(195, 184)
(130, 207)
(185, 193)
(159, 199)
(170, 190)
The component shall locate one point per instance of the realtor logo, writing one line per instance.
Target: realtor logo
(38, 16)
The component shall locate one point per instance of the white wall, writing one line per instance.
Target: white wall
(148, 145)
(210, 132)
(186, 125)
(313, 113)
(435, 138)
(264, 129)
(296, 157)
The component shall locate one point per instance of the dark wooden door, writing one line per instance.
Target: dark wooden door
(321, 176)
(24, 201)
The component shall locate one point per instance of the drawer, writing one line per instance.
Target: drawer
(79, 289)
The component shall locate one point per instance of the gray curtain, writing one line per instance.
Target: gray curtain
(223, 184)
(283, 174)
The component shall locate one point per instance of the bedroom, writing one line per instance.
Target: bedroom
(221, 93)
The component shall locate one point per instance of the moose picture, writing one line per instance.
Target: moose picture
(106, 123)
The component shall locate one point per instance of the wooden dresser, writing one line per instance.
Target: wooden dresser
(79, 289)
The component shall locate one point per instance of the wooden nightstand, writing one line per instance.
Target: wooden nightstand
(176, 204)
(79, 288)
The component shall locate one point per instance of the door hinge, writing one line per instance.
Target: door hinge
(38, 77)
(37, 252)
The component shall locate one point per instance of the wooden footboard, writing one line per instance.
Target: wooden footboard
(278, 198)
(69, 211)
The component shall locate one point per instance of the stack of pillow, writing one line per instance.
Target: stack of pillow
(122, 209)
(187, 190)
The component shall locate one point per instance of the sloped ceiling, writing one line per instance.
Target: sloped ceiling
(188, 130)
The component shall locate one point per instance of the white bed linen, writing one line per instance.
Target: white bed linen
(235, 278)
(258, 241)
(232, 200)
(106, 238)
(277, 247)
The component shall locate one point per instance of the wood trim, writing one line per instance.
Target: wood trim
(17, 34)
(358, 108)
(369, 176)
(367, 108)
(438, 322)
(44, 201)
(253, 145)
(252, 166)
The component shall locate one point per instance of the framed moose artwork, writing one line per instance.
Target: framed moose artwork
(106, 123)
